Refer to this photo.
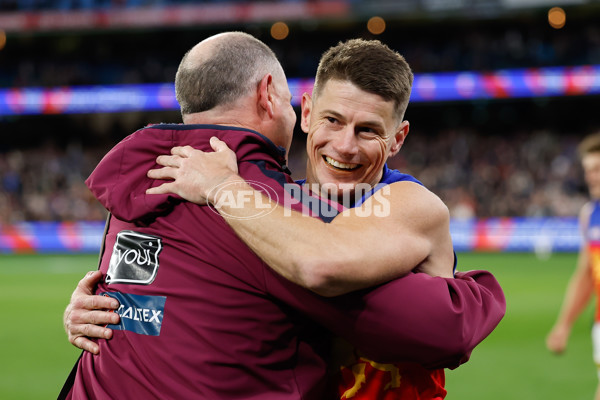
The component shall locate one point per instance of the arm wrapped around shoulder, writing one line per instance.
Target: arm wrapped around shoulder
(434, 321)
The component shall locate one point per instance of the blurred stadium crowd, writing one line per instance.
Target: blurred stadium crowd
(480, 166)
(528, 173)
(47, 184)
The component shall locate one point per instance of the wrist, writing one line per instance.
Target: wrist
(227, 188)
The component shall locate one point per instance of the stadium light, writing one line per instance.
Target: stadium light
(280, 30)
(376, 25)
(2, 39)
(557, 17)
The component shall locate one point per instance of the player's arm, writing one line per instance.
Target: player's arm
(85, 316)
(577, 296)
(393, 232)
(357, 249)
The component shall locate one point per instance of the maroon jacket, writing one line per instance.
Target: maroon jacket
(203, 317)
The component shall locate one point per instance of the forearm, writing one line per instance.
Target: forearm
(578, 294)
(290, 243)
(328, 258)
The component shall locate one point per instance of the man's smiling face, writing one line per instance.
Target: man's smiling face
(351, 134)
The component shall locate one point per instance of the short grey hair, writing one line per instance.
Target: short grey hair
(235, 66)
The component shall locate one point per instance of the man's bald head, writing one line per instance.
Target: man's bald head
(222, 69)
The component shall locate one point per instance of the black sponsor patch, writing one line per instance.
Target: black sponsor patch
(134, 259)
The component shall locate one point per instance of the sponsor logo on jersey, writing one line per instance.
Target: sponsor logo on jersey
(134, 259)
(381, 377)
(139, 314)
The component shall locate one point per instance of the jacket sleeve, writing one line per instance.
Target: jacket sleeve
(119, 181)
(432, 321)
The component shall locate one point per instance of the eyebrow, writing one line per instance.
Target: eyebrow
(369, 124)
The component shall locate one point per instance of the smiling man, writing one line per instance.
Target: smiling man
(351, 132)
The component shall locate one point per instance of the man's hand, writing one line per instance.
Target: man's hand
(196, 175)
(557, 339)
(86, 312)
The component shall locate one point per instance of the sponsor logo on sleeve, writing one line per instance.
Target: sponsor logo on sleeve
(134, 259)
(139, 314)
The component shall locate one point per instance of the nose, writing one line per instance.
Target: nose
(346, 142)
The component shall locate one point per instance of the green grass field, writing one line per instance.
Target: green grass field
(511, 364)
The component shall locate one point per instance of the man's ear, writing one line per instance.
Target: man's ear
(306, 105)
(399, 138)
(265, 95)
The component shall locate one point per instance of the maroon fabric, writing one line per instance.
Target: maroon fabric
(231, 328)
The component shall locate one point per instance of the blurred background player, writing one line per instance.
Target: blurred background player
(586, 277)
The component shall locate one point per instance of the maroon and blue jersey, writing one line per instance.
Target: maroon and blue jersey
(592, 239)
(202, 317)
(365, 379)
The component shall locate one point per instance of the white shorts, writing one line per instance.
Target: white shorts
(596, 345)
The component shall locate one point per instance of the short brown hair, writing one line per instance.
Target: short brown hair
(235, 66)
(589, 144)
(370, 65)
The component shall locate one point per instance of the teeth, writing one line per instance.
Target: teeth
(340, 165)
